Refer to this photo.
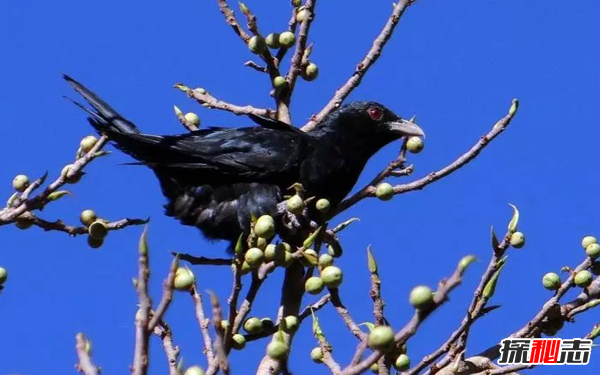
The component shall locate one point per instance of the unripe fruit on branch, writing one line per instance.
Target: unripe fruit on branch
(587, 241)
(414, 145)
(335, 250)
(261, 243)
(257, 44)
(583, 278)
(325, 260)
(94, 243)
(316, 355)
(302, 14)
(20, 183)
(384, 191)
(87, 217)
(245, 268)
(310, 258)
(73, 179)
(295, 204)
(277, 350)
(381, 338)
(551, 281)
(402, 363)
(87, 143)
(310, 72)
(184, 279)
(98, 230)
(272, 40)
(290, 324)
(323, 205)
(287, 39)
(3, 275)
(314, 285)
(274, 253)
(421, 297)
(253, 326)
(194, 370)
(374, 368)
(192, 119)
(265, 227)
(279, 83)
(332, 276)
(254, 257)
(238, 341)
(224, 324)
(517, 240)
(593, 250)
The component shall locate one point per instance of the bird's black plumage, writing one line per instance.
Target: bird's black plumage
(216, 178)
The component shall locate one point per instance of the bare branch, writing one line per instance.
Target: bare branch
(72, 230)
(341, 309)
(419, 184)
(163, 331)
(204, 323)
(167, 296)
(142, 317)
(85, 365)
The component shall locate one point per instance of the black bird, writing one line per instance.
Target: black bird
(216, 178)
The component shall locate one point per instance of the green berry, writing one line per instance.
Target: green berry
(421, 297)
(314, 285)
(316, 355)
(192, 119)
(3, 275)
(323, 205)
(593, 250)
(20, 183)
(279, 82)
(254, 257)
(274, 253)
(587, 241)
(87, 217)
(310, 258)
(98, 230)
(310, 72)
(414, 145)
(583, 278)
(290, 324)
(87, 143)
(301, 15)
(245, 268)
(257, 44)
(286, 246)
(517, 240)
(194, 370)
(73, 179)
(261, 243)
(287, 39)
(94, 243)
(551, 281)
(332, 276)
(295, 204)
(272, 40)
(238, 341)
(381, 338)
(384, 191)
(402, 363)
(265, 227)
(374, 368)
(253, 326)
(184, 279)
(277, 350)
(325, 260)
(288, 260)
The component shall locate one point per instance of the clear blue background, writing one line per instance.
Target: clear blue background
(456, 64)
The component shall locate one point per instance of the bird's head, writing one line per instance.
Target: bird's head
(367, 124)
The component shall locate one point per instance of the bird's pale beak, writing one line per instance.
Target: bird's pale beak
(406, 127)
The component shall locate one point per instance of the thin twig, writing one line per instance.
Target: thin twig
(167, 296)
(142, 317)
(85, 365)
(71, 230)
(204, 323)
(163, 331)
(191, 259)
(345, 315)
(421, 183)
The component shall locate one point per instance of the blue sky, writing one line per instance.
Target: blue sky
(457, 65)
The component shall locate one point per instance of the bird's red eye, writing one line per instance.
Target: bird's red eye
(376, 113)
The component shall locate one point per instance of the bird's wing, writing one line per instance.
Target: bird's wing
(256, 153)
(273, 124)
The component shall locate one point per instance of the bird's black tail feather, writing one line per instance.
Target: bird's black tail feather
(104, 118)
